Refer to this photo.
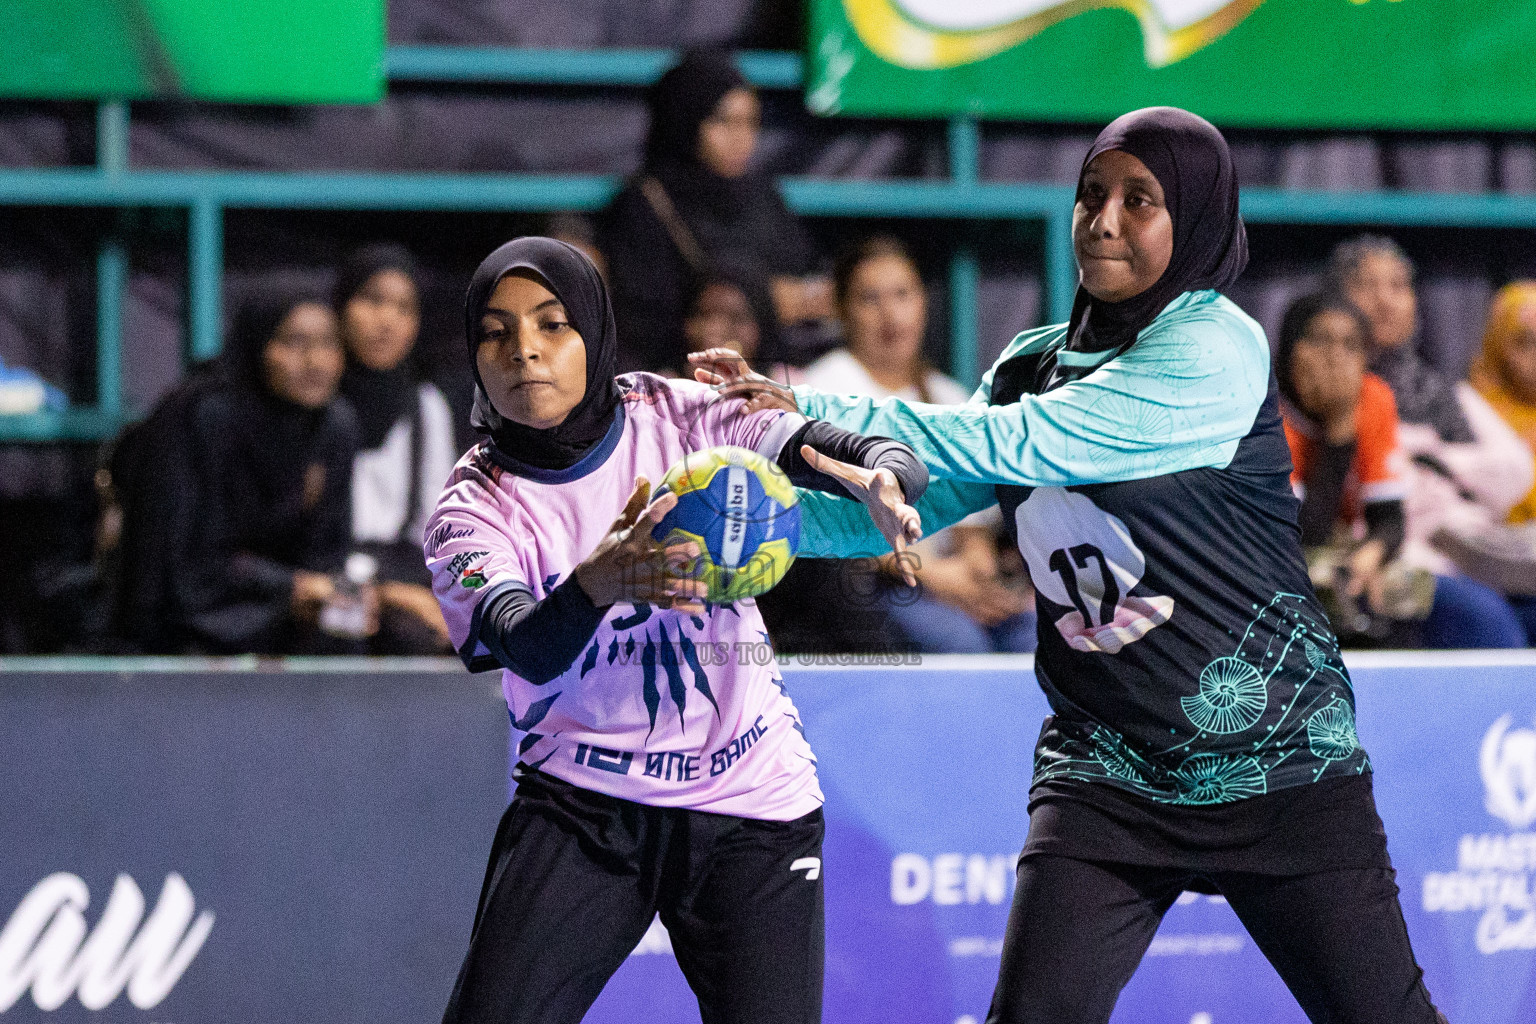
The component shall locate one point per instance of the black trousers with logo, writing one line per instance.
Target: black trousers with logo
(1078, 929)
(575, 879)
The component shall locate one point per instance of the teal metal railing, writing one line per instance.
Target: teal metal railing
(206, 195)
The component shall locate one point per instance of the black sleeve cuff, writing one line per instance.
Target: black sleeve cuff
(846, 446)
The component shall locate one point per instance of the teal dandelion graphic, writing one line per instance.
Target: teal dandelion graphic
(1331, 732)
(1146, 427)
(1116, 758)
(1232, 697)
(1217, 779)
(1316, 656)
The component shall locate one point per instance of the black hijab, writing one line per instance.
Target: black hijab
(567, 272)
(381, 398)
(680, 102)
(279, 438)
(1190, 160)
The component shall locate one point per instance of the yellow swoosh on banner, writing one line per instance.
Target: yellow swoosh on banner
(895, 37)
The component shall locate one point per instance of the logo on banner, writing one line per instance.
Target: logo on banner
(1495, 872)
(47, 946)
(1508, 763)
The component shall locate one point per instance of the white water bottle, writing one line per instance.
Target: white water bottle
(346, 613)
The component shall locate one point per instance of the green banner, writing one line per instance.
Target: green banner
(1429, 64)
(265, 51)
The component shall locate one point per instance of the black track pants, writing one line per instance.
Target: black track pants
(576, 877)
(1078, 929)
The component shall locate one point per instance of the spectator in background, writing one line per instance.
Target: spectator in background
(963, 607)
(407, 448)
(578, 232)
(1505, 372)
(695, 205)
(1468, 467)
(273, 476)
(726, 311)
(1352, 477)
(1505, 375)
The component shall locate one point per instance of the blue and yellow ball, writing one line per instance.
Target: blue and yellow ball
(742, 512)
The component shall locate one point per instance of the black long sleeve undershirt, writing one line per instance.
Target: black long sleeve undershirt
(539, 640)
(1384, 520)
(856, 449)
(1325, 493)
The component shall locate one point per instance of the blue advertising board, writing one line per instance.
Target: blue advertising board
(926, 772)
(189, 844)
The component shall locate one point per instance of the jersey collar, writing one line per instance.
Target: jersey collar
(589, 462)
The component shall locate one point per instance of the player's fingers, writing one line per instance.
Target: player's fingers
(682, 560)
(651, 515)
(903, 561)
(749, 387)
(726, 362)
(704, 376)
(637, 499)
(830, 466)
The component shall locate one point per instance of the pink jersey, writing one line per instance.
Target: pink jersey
(662, 708)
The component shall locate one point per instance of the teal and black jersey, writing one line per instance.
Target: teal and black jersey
(1181, 647)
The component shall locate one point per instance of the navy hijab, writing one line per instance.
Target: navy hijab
(1190, 160)
(570, 275)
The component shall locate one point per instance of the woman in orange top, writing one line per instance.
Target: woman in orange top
(1350, 471)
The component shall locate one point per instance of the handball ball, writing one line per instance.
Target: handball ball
(742, 512)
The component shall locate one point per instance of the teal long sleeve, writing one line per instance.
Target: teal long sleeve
(837, 527)
(1181, 398)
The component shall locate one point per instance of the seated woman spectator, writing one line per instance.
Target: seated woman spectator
(1468, 468)
(1352, 477)
(727, 312)
(1505, 375)
(696, 204)
(406, 440)
(577, 231)
(1505, 371)
(273, 480)
(964, 606)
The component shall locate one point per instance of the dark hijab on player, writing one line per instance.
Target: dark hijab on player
(1190, 160)
(381, 398)
(566, 272)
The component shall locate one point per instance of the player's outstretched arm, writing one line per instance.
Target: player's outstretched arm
(540, 639)
(1181, 398)
(837, 527)
(880, 494)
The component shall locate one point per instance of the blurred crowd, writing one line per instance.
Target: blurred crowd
(273, 502)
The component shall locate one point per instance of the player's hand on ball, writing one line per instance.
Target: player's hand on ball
(727, 370)
(629, 566)
(882, 497)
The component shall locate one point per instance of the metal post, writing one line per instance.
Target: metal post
(964, 337)
(112, 136)
(111, 283)
(964, 150)
(205, 279)
(111, 269)
(1060, 267)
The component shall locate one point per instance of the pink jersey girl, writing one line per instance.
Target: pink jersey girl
(662, 766)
